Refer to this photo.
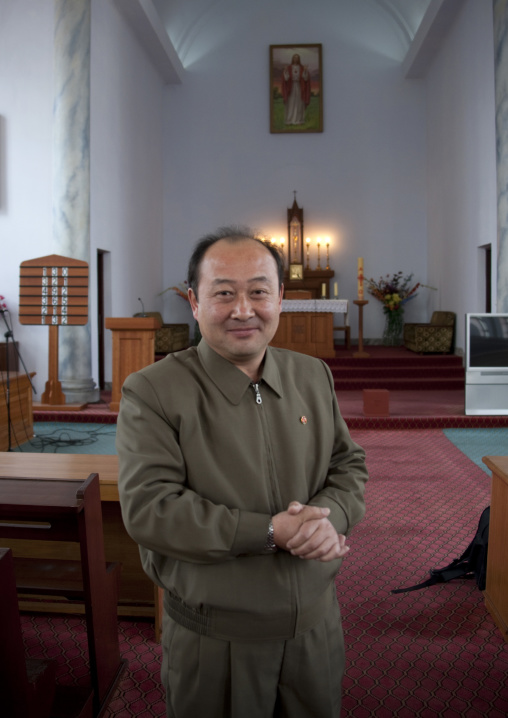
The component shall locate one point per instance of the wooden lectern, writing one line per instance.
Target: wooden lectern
(133, 349)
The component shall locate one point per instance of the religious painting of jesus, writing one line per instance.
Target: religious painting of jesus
(296, 92)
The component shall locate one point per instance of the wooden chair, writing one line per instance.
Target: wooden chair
(27, 686)
(45, 510)
(347, 334)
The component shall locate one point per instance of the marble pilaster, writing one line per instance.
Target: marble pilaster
(501, 79)
(71, 178)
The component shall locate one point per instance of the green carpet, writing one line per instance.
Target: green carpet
(475, 443)
(53, 437)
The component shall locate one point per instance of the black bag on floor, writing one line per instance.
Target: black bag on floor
(472, 563)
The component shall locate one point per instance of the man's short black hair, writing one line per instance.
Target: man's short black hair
(232, 233)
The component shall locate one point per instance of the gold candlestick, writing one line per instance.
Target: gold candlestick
(318, 255)
(308, 250)
(328, 255)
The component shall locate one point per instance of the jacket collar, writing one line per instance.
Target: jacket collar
(231, 381)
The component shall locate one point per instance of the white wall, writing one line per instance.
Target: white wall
(362, 181)
(126, 169)
(462, 163)
(26, 99)
(126, 165)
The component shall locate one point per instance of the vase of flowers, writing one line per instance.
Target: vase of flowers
(394, 292)
(181, 290)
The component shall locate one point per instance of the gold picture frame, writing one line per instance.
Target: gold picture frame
(296, 88)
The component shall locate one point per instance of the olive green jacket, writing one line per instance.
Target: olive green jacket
(204, 466)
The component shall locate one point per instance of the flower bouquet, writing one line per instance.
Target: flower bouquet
(181, 291)
(393, 292)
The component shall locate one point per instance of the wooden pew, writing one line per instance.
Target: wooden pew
(137, 596)
(27, 687)
(69, 510)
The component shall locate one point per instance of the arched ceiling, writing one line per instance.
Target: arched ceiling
(408, 14)
(184, 19)
(167, 28)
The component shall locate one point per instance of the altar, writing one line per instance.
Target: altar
(306, 325)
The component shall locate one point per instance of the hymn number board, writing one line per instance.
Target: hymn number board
(53, 291)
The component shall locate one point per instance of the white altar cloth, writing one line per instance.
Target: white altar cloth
(336, 306)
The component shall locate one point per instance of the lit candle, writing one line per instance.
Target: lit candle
(308, 250)
(282, 251)
(335, 290)
(323, 290)
(360, 278)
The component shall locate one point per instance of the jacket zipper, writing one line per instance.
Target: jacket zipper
(275, 498)
(259, 400)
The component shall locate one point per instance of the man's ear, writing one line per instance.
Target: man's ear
(281, 294)
(193, 301)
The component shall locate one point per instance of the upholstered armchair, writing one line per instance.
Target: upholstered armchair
(170, 337)
(437, 336)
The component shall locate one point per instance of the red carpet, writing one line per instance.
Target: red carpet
(430, 653)
(396, 368)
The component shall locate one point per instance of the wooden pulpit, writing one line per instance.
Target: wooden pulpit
(133, 349)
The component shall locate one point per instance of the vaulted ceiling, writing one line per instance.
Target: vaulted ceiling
(408, 14)
(168, 28)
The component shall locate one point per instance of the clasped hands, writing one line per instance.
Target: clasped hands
(305, 531)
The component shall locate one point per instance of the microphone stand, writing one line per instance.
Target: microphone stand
(8, 335)
(142, 307)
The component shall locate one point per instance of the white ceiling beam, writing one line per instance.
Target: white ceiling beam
(147, 26)
(429, 37)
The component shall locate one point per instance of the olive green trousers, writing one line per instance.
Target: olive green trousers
(212, 678)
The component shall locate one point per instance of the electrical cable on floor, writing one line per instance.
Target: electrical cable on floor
(61, 438)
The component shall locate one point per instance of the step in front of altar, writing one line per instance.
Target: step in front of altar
(401, 372)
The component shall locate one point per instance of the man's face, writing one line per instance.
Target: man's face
(239, 301)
